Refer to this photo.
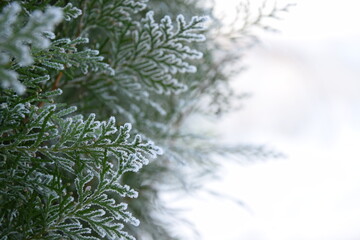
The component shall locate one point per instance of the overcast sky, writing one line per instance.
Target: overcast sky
(306, 98)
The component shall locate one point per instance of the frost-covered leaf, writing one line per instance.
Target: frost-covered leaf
(71, 12)
(64, 53)
(9, 79)
(113, 15)
(95, 151)
(159, 52)
(16, 39)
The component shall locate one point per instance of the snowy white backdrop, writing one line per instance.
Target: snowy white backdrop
(306, 98)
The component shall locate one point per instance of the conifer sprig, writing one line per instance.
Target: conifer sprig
(15, 40)
(60, 173)
(50, 149)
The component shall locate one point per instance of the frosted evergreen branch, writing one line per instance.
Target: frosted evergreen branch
(15, 41)
(64, 53)
(80, 136)
(97, 148)
(113, 15)
(71, 12)
(92, 205)
(158, 53)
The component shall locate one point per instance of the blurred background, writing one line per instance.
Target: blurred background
(305, 102)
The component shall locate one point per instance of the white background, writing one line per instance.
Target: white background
(306, 96)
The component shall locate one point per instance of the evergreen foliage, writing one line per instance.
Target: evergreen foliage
(68, 69)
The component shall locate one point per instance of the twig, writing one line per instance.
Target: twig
(57, 81)
(54, 86)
